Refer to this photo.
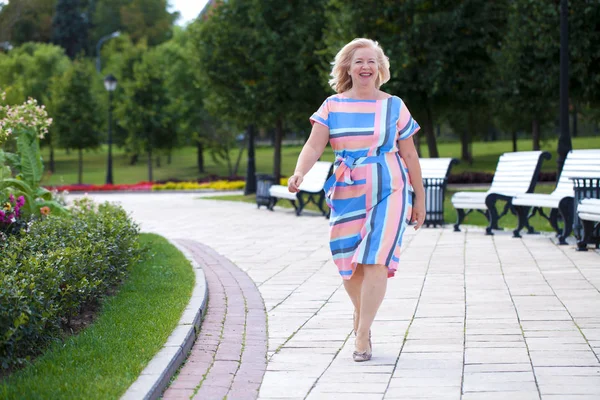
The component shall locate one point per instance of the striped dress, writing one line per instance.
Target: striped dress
(368, 193)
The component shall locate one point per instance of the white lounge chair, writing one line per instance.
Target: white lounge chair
(579, 163)
(311, 189)
(516, 173)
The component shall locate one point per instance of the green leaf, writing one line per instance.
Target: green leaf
(32, 168)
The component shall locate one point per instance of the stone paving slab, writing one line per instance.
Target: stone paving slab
(468, 316)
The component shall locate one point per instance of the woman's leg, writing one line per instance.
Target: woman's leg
(372, 293)
(353, 287)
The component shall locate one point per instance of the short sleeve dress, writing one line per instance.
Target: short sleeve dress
(369, 192)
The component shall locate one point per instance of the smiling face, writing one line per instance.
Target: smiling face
(364, 68)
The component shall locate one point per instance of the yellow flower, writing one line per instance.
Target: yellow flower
(7, 206)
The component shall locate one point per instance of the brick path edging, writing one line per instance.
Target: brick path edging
(155, 377)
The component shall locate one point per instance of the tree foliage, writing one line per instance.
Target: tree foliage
(144, 110)
(74, 110)
(70, 26)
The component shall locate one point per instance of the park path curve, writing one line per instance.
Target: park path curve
(467, 316)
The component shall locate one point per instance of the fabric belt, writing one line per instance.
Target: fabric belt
(343, 172)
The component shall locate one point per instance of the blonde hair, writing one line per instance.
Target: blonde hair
(341, 81)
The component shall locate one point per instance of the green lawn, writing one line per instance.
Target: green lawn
(508, 221)
(103, 360)
(183, 166)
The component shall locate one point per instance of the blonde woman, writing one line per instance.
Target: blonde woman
(370, 132)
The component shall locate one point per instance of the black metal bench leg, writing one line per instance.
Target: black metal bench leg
(490, 202)
(554, 220)
(522, 212)
(460, 217)
(588, 228)
(320, 204)
(565, 207)
(301, 204)
(272, 202)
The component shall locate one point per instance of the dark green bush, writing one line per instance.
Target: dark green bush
(59, 265)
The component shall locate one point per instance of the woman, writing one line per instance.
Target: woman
(376, 161)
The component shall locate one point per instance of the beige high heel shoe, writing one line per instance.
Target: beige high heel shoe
(363, 355)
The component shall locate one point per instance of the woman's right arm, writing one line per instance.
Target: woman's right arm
(312, 150)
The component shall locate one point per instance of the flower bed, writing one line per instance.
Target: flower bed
(104, 188)
(208, 183)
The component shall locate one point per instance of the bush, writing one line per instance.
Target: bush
(56, 267)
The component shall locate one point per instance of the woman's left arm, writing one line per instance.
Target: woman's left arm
(409, 154)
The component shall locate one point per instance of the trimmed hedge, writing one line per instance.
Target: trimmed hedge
(60, 264)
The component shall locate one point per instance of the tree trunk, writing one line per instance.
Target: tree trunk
(239, 159)
(169, 157)
(150, 177)
(157, 161)
(250, 187)
(465, 142)
(52, 164)
(277, 149)
(514, 141)
(134, 159)
(574, 120)
(200, 156)
(80, 172)
(418, 143)
(429, 133)
(535, 133)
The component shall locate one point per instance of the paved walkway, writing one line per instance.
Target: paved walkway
(467, 316)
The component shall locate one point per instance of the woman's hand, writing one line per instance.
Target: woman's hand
(418, 214)
(294, 183)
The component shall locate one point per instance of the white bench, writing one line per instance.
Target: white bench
(311, 189)
(516, 173)
(589, 214)
(435, 173)
(579, 163)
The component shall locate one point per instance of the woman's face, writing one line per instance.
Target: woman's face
(364, 69)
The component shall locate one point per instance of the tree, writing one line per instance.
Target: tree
(193, 123)
(144, 111)
(74, 110)
(226, 67)
(27, 71)
(289, 35)
(70, 27)
(474, 31)
(24, 21)
(146, 20)
(530, 70)
(120, 57)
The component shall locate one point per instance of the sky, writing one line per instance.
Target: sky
(189, 9)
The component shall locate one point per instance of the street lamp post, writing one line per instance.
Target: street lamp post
(100, 42)
(110, 83)
(564, 139)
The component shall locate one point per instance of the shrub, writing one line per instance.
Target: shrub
(59, 265)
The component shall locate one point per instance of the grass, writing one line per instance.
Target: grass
(183, 164)
(508, 221)
(104, 359)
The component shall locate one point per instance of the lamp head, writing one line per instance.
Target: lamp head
(110, 82)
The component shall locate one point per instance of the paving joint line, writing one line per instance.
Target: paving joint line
(297, 287)
(561, 302)
(415, 312)
(305, 322)
(462, 374)
(512, 300)
(561, 248)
